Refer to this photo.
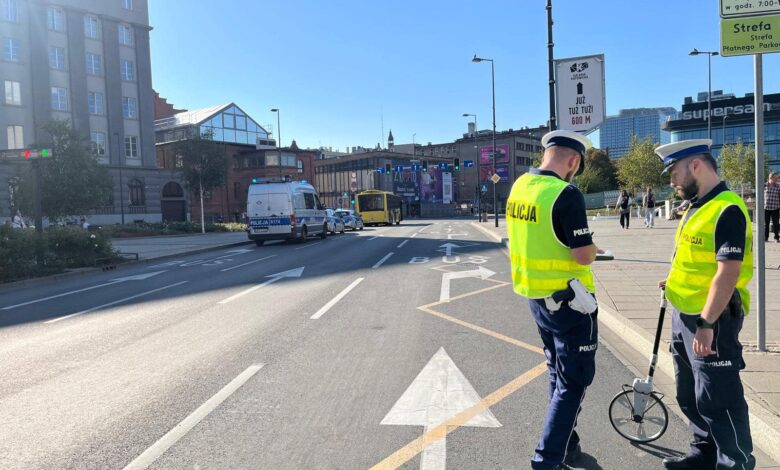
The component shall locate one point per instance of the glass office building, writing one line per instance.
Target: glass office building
(617, 131)
(732, 121)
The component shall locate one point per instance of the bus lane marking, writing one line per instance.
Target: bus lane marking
(336, 299)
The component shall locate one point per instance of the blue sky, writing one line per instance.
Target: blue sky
(337, 68)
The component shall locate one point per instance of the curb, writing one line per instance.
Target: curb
(764, 425)
(82, 271)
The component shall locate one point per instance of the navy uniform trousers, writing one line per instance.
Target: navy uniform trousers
(710, 393)
(570, 341)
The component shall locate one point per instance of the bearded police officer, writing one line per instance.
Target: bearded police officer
(551, 247)
(707, 286)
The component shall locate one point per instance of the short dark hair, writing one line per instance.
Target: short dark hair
(707, 157)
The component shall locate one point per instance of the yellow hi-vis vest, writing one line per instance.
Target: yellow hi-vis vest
(694, 264)
(541, 264)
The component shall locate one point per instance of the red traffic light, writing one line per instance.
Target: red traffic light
(27, 153)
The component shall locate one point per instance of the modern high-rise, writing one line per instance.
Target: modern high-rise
(617, 131)
(87, 62)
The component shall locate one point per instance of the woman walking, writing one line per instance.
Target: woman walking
(624, 204)
(648, 202)
(772, 206)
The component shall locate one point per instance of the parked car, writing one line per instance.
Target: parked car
(334, 224)
(353, 221)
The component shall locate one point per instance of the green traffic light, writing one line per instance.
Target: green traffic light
(44, 153)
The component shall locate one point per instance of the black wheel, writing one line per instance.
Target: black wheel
(646, 426)
(304, 234)
(259, 242)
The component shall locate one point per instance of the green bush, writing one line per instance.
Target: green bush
(166, 228)
(59, 248)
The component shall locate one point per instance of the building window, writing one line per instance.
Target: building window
(11, 49)
(94, 64)
(91, 28)
(288, 160)
(127, 4)
(125, 35)
(55, 19)
(129, 107)
(127, 70)
(15, 137)
(59, 99)
(10, 10)
(131, 146)
(95, 103)
(237, 190)
(137, 196)
(13, 94)
(57, 57)
(300, 166)
(98, 142)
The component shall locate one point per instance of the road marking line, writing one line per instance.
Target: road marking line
(414, 235)
(157, 449)
(379, 263)
(487, 232)
(116, 302)
(374, 238)
(335, 300)
(59, 295)
(402, 243)
(409, 451)
(242, 265)
(308, 245)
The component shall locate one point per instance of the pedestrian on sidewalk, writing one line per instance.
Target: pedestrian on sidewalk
(624, 205)
(772, 206)
(648, 202)
(708, 289)
(551, 249)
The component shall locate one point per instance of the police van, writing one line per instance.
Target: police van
(283, 210)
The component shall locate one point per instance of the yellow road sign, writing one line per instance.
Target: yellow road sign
(495, 178)
(751, 35)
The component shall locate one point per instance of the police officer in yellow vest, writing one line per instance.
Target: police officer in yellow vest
(551, 247)
(707, 286)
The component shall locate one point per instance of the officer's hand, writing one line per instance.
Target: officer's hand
(662, 283)
(702, 342)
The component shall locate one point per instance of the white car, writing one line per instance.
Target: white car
(351, 220)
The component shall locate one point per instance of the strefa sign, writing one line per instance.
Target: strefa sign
(579, 92)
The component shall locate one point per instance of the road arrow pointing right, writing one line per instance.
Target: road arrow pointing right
(297, 272)
(439, 392)
(444, 294)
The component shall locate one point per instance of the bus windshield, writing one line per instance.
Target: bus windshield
(371, 202)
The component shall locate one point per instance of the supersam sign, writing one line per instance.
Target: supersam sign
(579, 92)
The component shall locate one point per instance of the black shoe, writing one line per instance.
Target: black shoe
(573, 455)
(563, 466)
(686, 463)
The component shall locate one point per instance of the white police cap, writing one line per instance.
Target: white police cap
(676, 151)
(570, 139)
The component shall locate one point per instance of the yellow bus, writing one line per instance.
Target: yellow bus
(379, 207)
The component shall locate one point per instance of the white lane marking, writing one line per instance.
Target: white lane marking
(335, 300)
(374, 238)
(308, 245)
(402, 243)
(245, 264)
(180, 430)
(414, 235)
(444, 293)
(116, 302)
(137, 277)
(379, 263)
(439, 392)
(274, 277)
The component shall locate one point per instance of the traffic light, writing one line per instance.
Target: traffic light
(425, 166)
(388, 169)
(352, 198)
(457, 164)
(27, 153)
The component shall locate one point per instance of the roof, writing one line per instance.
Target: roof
(188, 118)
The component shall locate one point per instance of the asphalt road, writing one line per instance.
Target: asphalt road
(344, 353)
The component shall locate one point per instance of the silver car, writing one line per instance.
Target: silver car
(334, 224)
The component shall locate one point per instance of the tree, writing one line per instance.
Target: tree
(640, 167)
(737, 164)
(600, 173)
(72, 181)
(204, 165)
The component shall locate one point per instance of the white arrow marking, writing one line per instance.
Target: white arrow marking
(139, 277)
(274, 277)
(444, 295)
(438, 393)
(448, 247)
(245, 264)
(242, 250)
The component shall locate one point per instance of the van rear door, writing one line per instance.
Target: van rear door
(269, 213)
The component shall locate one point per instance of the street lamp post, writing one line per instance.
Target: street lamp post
(279, 137)
(495, 169)
(476, 151)
(121, 183)
(709, 86)
(414, 147)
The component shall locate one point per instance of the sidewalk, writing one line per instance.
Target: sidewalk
(629, 299)
(171, 245)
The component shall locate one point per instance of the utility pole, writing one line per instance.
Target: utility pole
(551, 66)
